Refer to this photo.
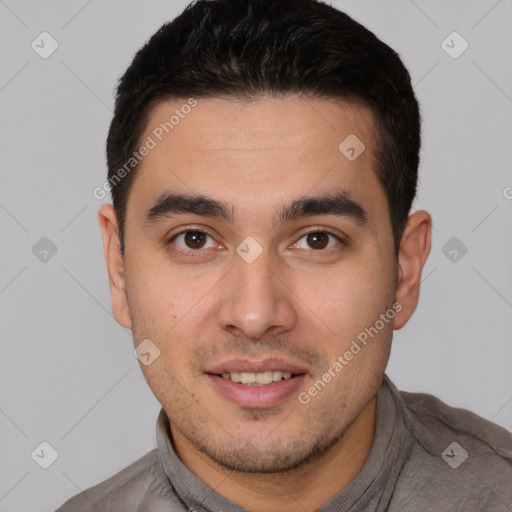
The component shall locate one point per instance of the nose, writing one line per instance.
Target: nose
(256, 300)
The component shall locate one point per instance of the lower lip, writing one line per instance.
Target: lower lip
(256, 396)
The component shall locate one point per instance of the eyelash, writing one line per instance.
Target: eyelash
(192, 252)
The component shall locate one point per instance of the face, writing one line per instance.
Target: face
(281, 268)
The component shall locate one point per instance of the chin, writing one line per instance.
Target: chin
(264, 455)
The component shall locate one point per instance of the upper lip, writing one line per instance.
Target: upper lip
(248, 366)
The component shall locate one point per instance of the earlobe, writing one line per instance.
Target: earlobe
(115, 264)
(413, 253)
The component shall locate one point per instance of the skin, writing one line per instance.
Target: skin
(297, 302)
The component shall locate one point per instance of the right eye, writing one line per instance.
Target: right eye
(191, 241)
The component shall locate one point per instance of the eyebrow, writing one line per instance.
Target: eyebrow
(339, 204)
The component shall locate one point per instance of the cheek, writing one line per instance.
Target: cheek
(347, 296)
(347, 300)
(167, 384)
(168, 306)
(161, 296)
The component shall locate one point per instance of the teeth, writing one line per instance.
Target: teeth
(277, 375)
(247, 378)
(264, 378)
(257, 379)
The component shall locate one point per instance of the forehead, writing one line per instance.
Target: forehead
(252, 125)
(260, 153)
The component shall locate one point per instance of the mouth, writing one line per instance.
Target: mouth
(256, 384)
(258, 379)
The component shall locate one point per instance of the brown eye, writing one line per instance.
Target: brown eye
(317, 240)
(195, 239)
(192, 241)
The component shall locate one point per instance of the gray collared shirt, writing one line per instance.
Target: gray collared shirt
(426, 456)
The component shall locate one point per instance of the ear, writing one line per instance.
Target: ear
(414, 250)
(115, 265)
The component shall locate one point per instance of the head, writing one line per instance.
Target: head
(265, 226)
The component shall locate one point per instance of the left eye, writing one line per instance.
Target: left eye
(318, 240)
(192, 240)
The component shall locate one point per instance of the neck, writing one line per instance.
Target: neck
(305, 488)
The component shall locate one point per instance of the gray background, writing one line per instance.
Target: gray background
(68, 375)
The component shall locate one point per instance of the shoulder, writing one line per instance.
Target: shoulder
(459, 458)
(142, 485)
(435, 421)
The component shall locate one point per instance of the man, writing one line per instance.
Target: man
(263, 161)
